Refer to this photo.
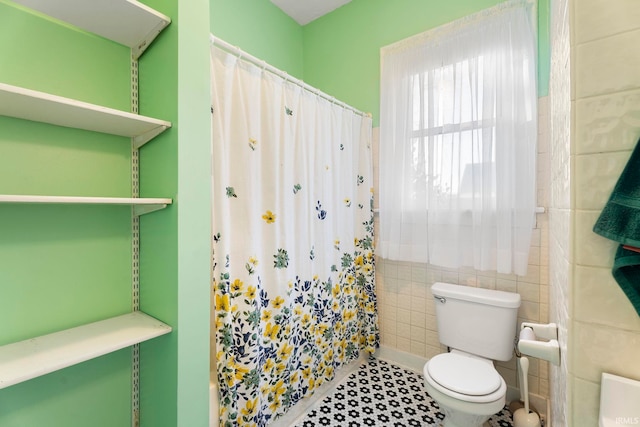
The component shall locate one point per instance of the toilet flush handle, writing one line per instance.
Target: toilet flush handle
(441, 299)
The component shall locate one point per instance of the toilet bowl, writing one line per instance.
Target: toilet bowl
(467, 388)
(478, 326)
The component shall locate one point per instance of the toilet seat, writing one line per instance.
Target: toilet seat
(465, 375)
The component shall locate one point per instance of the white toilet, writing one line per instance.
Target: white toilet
(478, 326)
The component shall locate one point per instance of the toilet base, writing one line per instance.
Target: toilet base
(454, 418)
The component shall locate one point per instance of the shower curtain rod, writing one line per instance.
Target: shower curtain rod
(234, 50)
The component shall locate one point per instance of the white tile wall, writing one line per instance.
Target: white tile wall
(597, 65)
(595, 19)
(607, 123)
(609, 64)
(587, 401)
(595, 176)
(600, 348)
(560, 96)
(599, 299)
(591, 248)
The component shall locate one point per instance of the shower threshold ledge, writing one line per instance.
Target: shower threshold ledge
(31, 358)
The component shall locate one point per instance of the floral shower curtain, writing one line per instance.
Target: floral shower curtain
(293, 240)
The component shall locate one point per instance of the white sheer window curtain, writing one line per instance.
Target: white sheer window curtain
(458, 132)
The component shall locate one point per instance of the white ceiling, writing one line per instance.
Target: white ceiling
(305, 11)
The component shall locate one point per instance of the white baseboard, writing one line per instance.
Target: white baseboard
(401, 358)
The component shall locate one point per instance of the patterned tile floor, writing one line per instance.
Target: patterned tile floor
(382, 394)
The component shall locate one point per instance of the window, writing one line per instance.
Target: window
(458, 143)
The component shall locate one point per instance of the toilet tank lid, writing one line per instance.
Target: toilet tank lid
(477, 295)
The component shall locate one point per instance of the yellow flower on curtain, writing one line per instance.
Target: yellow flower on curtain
(279, 388)
(275, 404)
(277, 303)
(265, 389)
(306, 319)
(237, 285)
(285, 351)
(328, 356)
(336, 291)
(241, 371)
(271, 331)
(306, 373)
(269, 217)
(322, 329)
(328, 373)
(250, 408)
(222, 303)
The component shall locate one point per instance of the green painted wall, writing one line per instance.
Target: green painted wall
(340, 52)
(43, 54)
(342, 49)
(175, 243)
(158, 73)
(260, 28)
(544, 47)
(62, 266)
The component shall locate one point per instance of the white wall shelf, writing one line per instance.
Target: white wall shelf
(34, 357)
(140, 205)
(127, 22)
(43, 107)
(133, 25)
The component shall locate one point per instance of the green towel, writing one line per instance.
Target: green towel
(620, 221)
(626, 271)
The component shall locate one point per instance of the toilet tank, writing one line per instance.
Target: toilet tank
(478, 321)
